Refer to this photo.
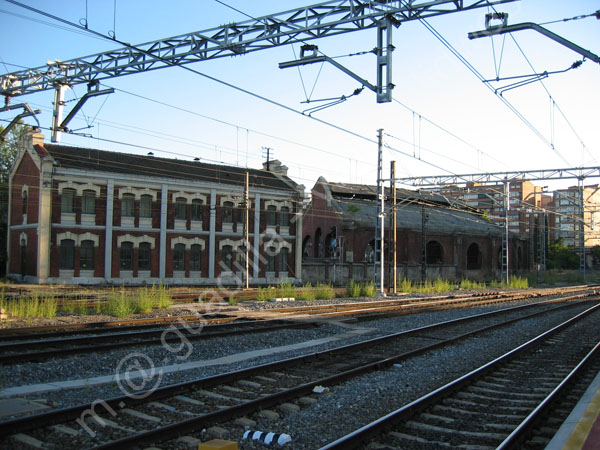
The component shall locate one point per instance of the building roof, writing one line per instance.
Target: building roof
(439, 220)
(150, 166)
(364, 191)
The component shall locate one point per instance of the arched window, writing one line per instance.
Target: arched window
(197, 209)
(271, 216)
(227, 258)
(25, 200)
(67, 201)
(318, 243)
(146, 205)
(195, 257)
(283, 259)
(307, 247)
(127, 202)
(180, 208)
(126, 256)
(473, 257)
(144, 255)
(434, 252)
(179, 257)
(86, 255)
(67, 254)
(370, 252)
(520, 258)
(270, 253)
(228, 212)
(284, 216)
(88, 202)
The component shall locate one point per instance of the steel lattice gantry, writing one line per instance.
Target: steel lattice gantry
(328, 18)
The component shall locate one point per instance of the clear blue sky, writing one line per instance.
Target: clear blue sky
(428, 79)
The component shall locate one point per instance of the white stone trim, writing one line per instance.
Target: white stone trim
(78, 188)
(278, 204)
(188, 242)
(137, 192)
(189, 196)
(25, 189)
(136, 240)
(23, 236)
(229, 198)
(89, 237)
(278, 244)
(78, 238)
(234, 244)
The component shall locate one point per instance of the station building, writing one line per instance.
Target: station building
(339, 236)
(87, 216)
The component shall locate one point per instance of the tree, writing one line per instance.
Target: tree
(8, 153)
(562, 257)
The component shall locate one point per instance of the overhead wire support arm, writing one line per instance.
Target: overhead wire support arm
(27, 112)
(502, 29)
(325, 19)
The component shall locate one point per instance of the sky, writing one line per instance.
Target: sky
(443, 119)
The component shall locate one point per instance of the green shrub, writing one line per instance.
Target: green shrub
(262, 294)
(441, 285)
(119, 304)
(406, 286)
(367, 289)
(162, 297)
(353, 289)
(48, 307)
(68, 306)
(307, 292)
(324, 291)
(144, 300)
(518, 282)
(286, 289)
(471, 285)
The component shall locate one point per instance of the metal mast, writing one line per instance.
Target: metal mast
(306, 23)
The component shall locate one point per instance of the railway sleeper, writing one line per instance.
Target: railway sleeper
(408, 441)
(498, 401)
(477, 408)
(478, 437)
(506, 393)
(463, 414)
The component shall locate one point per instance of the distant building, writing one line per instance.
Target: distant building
(567, 218)
(339, 228)
(86, 216)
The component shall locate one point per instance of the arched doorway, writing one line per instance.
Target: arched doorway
(473, 257)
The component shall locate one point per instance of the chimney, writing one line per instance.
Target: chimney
(275, 166)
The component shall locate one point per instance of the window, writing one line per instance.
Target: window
(197, 210)
(126, 256)
(86, 255)
(284, 216)
(271, 216)
(179, 257)
(146, 206)
(228, 212)
(434, 253)
(180, 208)
(25, 202)
(67, 201)
(88, 202)
(227, 258)
(144, 253)
(283, 259)
(271, 251)
(67, 254)
(195, 257)
(127, 205)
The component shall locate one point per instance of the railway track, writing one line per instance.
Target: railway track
(50, 347)
(171, 411)
(18, 347)
(515, 401)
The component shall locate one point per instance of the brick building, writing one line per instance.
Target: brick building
(457, 242)
(86, 216)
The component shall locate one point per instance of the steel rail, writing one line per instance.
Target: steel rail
(364, 434)
(63, 415)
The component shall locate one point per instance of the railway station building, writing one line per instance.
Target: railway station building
(338, 241)
(87, 216)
